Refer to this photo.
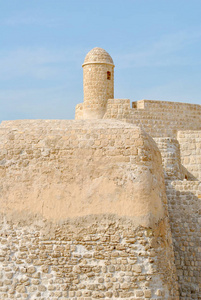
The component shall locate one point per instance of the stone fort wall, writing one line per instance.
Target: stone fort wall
(158, 118)
(190, 147)
(27, 144)
(184, 211)
(83, 213)
(176, 129)
(54, 246)
(107, 208)
(183, 189)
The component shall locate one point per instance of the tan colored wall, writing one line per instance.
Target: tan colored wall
(184, 199)
(190, 144)
(171, 159)
(83, 212)
(184, 203)
(157, 118)
(86, 259)
(168, 106)
(62, 159)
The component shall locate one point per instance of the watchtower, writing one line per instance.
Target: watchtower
(98, 82)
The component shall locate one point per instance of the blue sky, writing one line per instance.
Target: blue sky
(155, 45)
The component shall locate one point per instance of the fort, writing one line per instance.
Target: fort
(106, 206)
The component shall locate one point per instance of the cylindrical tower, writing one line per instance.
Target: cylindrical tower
(98, 82)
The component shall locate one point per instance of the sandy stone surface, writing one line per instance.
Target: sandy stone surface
(83, 212)
(107, 206)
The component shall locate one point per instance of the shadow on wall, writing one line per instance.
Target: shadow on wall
(187, 175)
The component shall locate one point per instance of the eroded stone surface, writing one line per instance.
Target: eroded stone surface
(74, 168)
(84, 212)
(83, 207)
(86, 258)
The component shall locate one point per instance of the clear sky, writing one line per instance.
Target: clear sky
(155, 45)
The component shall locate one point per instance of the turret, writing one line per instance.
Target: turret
(98, 82)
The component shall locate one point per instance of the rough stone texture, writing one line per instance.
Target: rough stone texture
(98, 209)
(98, 83)
(75, 168)
(158, 118)
(185, 218)
(83, 212)
(176, 128)
(190, 145)
(184, 206)
(98, 55)
(85, 258)
(171, 160)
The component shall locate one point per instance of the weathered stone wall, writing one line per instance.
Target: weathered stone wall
(83, 207)
(190, 145)
(158, 118)
(164, 106)
(171, 160)
(86, 258)
(83, 213)
(62, 159)
(184, 206)
(185, 218)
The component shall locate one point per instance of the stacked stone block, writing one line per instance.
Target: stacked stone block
(84, 259)
(171, 158)
(190, 144)
(157, 118)
(185, 218)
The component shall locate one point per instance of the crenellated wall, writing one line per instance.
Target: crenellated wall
(157, 118)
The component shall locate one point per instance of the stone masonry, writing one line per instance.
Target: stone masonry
(106, 206)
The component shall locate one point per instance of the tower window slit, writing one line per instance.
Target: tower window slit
(108, 75)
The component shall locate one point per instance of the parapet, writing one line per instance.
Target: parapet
(157, 118)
